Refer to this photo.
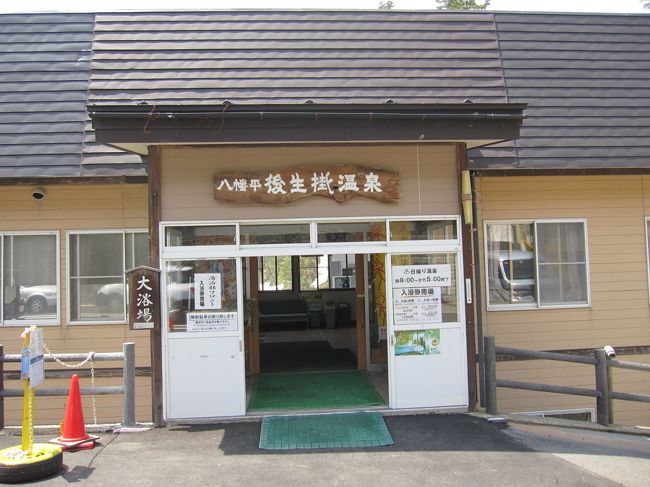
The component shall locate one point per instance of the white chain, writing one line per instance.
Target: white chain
(89, 358)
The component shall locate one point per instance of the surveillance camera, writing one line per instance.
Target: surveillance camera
(609, 351)
(38, 194)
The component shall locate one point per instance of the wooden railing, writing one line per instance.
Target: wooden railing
(127, 389)
(600, 361)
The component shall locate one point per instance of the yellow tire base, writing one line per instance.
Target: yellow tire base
(42, 461)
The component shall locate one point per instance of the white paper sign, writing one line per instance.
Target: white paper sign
(207, 291)
(36, 358)
(413, 306)
(421, 275)
(212, 321)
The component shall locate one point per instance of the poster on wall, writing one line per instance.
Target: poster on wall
(212, 321)
(207, 291)
(417, 342)
(415, 306)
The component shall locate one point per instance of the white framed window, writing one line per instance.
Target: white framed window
(536, 264)
(96, 281)
(30, 278)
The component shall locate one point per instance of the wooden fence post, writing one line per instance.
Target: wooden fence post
(490, 357)
(129, 383)
(602, 401)
(2, 386)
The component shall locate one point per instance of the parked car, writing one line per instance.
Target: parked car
(38, 299)
(512, 274)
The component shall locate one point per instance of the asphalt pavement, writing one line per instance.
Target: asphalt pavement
(441, 450)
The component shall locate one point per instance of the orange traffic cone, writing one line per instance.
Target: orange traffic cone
(73, 428)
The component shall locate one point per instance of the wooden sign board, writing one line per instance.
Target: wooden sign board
(340, 183)
(144, 298)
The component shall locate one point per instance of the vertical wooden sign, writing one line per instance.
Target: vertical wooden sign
(144, 298)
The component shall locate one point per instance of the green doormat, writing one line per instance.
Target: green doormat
(347, 430)
(313, 390)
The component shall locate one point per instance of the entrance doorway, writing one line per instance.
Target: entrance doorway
(348, 299)
(307, 337)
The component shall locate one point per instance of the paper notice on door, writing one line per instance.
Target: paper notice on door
(212, 321)
(414, 306)
(207, 291)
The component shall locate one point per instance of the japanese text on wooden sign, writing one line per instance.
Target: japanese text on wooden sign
(144, 298)
(340, 182)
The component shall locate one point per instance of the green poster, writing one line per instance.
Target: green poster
(417, 342)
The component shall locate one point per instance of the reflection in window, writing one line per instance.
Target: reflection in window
(511, 268)
(423, 230)
(182, 296)
(29, 277)
(537, 263)
(97, 263)
(200, 235)
(351, 232)
(294, 233)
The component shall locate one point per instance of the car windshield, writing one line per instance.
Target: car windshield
(521, 269)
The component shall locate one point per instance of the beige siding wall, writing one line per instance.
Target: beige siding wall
(77, 207)
(187, 180)
(615, 209)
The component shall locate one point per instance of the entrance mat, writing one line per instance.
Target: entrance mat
(347, 430)
(314, 390)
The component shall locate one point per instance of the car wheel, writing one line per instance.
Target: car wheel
(36, 305)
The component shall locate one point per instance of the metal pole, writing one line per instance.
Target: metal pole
(602, 401)
(490, 375)
(129, 383)
(477, 295)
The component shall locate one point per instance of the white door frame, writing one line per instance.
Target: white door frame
(237, 251)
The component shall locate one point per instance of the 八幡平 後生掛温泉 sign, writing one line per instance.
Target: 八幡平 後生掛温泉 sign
(339, 182)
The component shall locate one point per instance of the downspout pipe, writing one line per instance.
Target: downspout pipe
(477, 285)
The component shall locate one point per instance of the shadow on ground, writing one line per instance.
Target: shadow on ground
(448, 432)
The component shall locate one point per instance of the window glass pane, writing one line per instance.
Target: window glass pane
(352, 232)
(342, 271)
(137, 250)
(563, 284)
(200, 235)
(274, 234)
(275, 273)
(183, 297)
(419, 302)
(97, 255)
(29, 277)
(423, 230)
(314, 272)
(561, 242)
(97, 276)
(510, 263)
(562, 263)
(97, 299)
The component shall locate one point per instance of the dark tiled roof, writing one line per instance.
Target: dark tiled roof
(44, 70)
(291, 57)
(586, 79)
